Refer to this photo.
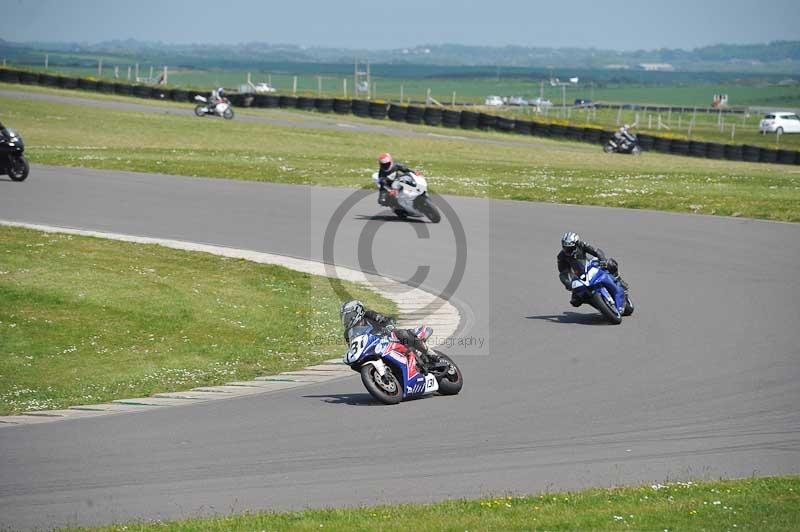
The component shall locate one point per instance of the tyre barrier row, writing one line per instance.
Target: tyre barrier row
(431, 116)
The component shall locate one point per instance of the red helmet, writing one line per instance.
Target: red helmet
(385, 159)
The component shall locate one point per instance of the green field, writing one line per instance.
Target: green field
(765, 505)
(86, 320)
(515, 167)
(471, 90)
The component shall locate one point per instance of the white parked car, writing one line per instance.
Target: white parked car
(494, 101)
(262, 88)
(780, 123)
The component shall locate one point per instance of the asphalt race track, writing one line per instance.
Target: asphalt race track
(703, 381)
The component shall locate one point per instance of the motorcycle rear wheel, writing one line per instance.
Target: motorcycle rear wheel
(608, 311)
(450, 382)
(385, 389)
(200, 110)
(18, 168)
(426, 207)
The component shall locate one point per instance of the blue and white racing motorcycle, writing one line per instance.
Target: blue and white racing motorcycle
(601, 289)
(389, 368)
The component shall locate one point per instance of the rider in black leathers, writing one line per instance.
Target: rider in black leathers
(572, 263)
(354, 314)
(388, 167)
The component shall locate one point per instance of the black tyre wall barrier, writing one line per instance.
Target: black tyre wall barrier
(377, 110)
(105, 86)
(486, 121)
(180, 95)
(592, 135)
(680, 147)
(787, 157)
(432, 116)
(286, 102)
(9, 76)
(271, 101)
(87, 84)
(523, 127)
(574, 133)
(504, 124)
(342, 106)
(361, 108)
(70, 83)
(733, 152)
(451, 118)
(29, 78)
(662, 145)
(397, 112)
(557, 130)
(123, 89)
(768, 156)
(715, 150)
(469, 120)
(751, 153)
(305, 103)
(324, 105)
(49, 80)
(414, 114)
(698, 148)
(646, 142)
(142, 91)
(540, 129)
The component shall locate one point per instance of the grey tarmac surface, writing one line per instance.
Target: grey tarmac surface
(703, 381)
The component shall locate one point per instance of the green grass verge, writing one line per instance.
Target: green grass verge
(515, 167)
(763, 504)
(86, 320)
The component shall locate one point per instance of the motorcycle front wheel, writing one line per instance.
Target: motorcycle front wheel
(426, 207)
(385, 389)
(227, 114)
(451, 381)
(608, 148)
(636, 150)
(18, 168)
(607, 309)
(200, 110)
(628, 307)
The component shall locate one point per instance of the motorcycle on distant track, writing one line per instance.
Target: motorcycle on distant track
(389, 368)
(223, 108)
(408, 196)
(601, 289)
(623, 143)
(12, 160)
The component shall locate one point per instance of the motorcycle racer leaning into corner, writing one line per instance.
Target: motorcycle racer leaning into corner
(388, 167)
(354, 314)
(572, 263)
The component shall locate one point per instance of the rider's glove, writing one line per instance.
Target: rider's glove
(603, 264)
(389, 327)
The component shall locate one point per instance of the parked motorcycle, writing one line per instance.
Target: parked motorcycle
(389, 368)
(625, 144)
(223, 108)
(601, 289)
(12, 161)
(408, 196)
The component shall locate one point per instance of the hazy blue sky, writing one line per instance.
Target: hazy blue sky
(401, 23)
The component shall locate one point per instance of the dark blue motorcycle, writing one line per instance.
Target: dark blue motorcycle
(603, 291)
(12, 161)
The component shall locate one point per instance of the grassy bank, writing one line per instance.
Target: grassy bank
(512, 167)
(766, 504)
(86, 320)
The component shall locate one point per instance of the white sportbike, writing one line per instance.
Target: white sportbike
(223, 108)
(408, 196)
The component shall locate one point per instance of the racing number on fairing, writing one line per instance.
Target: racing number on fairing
(356, 348)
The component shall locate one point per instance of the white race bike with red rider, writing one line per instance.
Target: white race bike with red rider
(408, 196)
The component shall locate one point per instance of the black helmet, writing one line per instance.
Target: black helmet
(569, 242)
(352, 312)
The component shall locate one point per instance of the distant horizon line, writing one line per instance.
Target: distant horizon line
(414, 47)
